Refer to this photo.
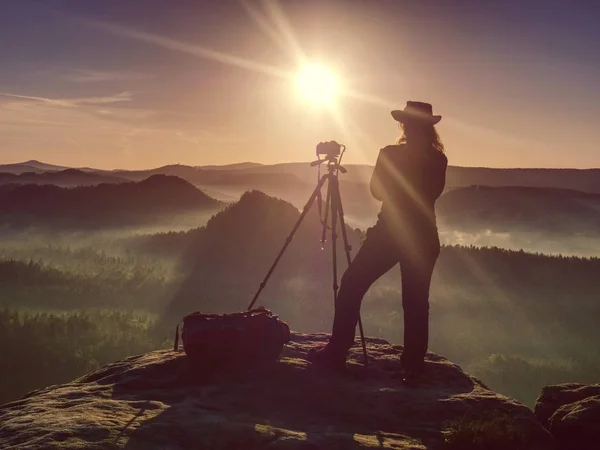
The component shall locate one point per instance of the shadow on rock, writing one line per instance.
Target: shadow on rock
(159, 400)
(292, 405)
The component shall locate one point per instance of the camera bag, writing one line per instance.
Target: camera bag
(237, 340)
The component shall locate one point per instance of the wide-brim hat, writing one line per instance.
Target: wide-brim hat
(416, 111)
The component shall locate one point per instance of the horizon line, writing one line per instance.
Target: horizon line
(16, 163)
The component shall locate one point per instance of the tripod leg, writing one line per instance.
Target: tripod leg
(289, 238)
(347, 248)
(334, 217)
(326, 215)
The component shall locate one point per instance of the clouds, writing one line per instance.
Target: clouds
(105, 131)
(117, 109)
(213, 74)
(101, 76)
(194, 50)
(72, 102)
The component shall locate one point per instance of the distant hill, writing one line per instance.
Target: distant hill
(355, 172)
(100, 205)
(30, 166)
(65, 178)
(249, 180)
(236, 166)
(222, 176)
(255, 223)
(512, 208)
(587, 180)
(295, 181)
(43, 166)
(188, 173)
(236, 248)
(19, 168)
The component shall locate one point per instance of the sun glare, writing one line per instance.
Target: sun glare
(317, 84)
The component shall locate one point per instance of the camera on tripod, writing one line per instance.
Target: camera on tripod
(333, 152)
(330, 149)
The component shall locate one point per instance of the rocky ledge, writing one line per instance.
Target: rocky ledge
(159, 401)
(571, 412)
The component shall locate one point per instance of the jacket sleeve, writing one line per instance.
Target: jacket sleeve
(438, 178)
(377, 184)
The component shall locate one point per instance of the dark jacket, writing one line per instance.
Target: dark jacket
(408, 181)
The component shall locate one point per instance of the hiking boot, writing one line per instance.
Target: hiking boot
(328, 358)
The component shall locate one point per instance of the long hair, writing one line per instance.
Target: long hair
(427, 134)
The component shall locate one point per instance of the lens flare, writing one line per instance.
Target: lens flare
(317, 84)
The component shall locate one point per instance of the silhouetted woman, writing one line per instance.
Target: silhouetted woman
(408, 178)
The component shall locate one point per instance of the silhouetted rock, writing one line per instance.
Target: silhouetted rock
(572, 414)
(577, 425)
(553, 397)
(157, 400)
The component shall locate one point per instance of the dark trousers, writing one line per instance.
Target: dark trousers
(416, 253)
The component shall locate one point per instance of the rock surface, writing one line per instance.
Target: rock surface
(572, 414)
(577, 425)
(158, 401)
(555, 396)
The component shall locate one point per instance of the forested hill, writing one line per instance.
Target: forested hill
(68, 177)
(247, 235)
(226, 260)
(587, 180)
(103, 204)
(517, 207)
(31, 166)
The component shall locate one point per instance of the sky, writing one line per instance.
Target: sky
(141, 84)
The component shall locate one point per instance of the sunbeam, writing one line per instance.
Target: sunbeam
(275, 25)
(233, 60)
(191, 49)
(285, 29)
(352, 133)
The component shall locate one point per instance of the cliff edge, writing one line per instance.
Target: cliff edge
(159, 401)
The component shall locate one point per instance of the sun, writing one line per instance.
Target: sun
(317, 84)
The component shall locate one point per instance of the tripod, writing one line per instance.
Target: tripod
(333, 204)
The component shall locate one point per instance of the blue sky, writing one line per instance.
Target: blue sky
(145, 83)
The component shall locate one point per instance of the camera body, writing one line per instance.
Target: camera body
(330, 149)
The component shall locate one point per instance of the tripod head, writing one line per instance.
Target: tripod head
(333, 153)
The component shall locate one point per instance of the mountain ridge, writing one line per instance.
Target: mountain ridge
(520, 207)
(97, 205)
(586, 179)
(63, 178)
